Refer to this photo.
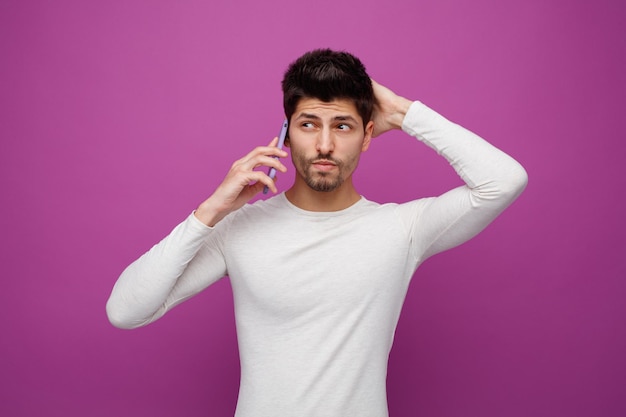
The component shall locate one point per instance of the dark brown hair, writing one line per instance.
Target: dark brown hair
(328, 75)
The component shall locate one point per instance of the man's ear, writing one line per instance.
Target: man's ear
(287, 142)
(369, 130)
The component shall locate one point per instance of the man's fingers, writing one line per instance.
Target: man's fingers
(271, 151)
(259, 180)
(262, 156)
(247, 177)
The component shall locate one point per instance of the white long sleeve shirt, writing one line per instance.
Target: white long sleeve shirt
(318, 294)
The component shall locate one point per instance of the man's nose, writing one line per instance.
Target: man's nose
(325, 141)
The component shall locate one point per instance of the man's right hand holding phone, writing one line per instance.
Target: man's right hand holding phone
(242, 183)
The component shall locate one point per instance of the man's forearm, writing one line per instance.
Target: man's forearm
(171, 271)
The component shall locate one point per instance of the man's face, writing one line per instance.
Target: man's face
(326, 141)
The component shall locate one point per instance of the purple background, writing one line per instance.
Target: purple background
(118, 117)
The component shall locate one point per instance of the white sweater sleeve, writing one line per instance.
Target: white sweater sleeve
(181, 265)
(493, 180)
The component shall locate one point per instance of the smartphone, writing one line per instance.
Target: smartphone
(281, 142)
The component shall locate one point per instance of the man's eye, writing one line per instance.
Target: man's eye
(343, 127)
(308, 125)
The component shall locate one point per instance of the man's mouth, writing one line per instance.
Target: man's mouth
(323, 164)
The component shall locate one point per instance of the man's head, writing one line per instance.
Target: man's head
(328, 75)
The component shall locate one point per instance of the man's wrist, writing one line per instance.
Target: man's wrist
(401, 108)
(207, 215)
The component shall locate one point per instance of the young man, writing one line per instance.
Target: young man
(317, 299)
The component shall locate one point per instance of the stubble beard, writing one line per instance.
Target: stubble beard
(321, 181)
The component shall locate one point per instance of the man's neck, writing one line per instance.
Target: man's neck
(305, 198)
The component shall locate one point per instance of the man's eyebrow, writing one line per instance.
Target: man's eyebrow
(308, 116)
(346, 118)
